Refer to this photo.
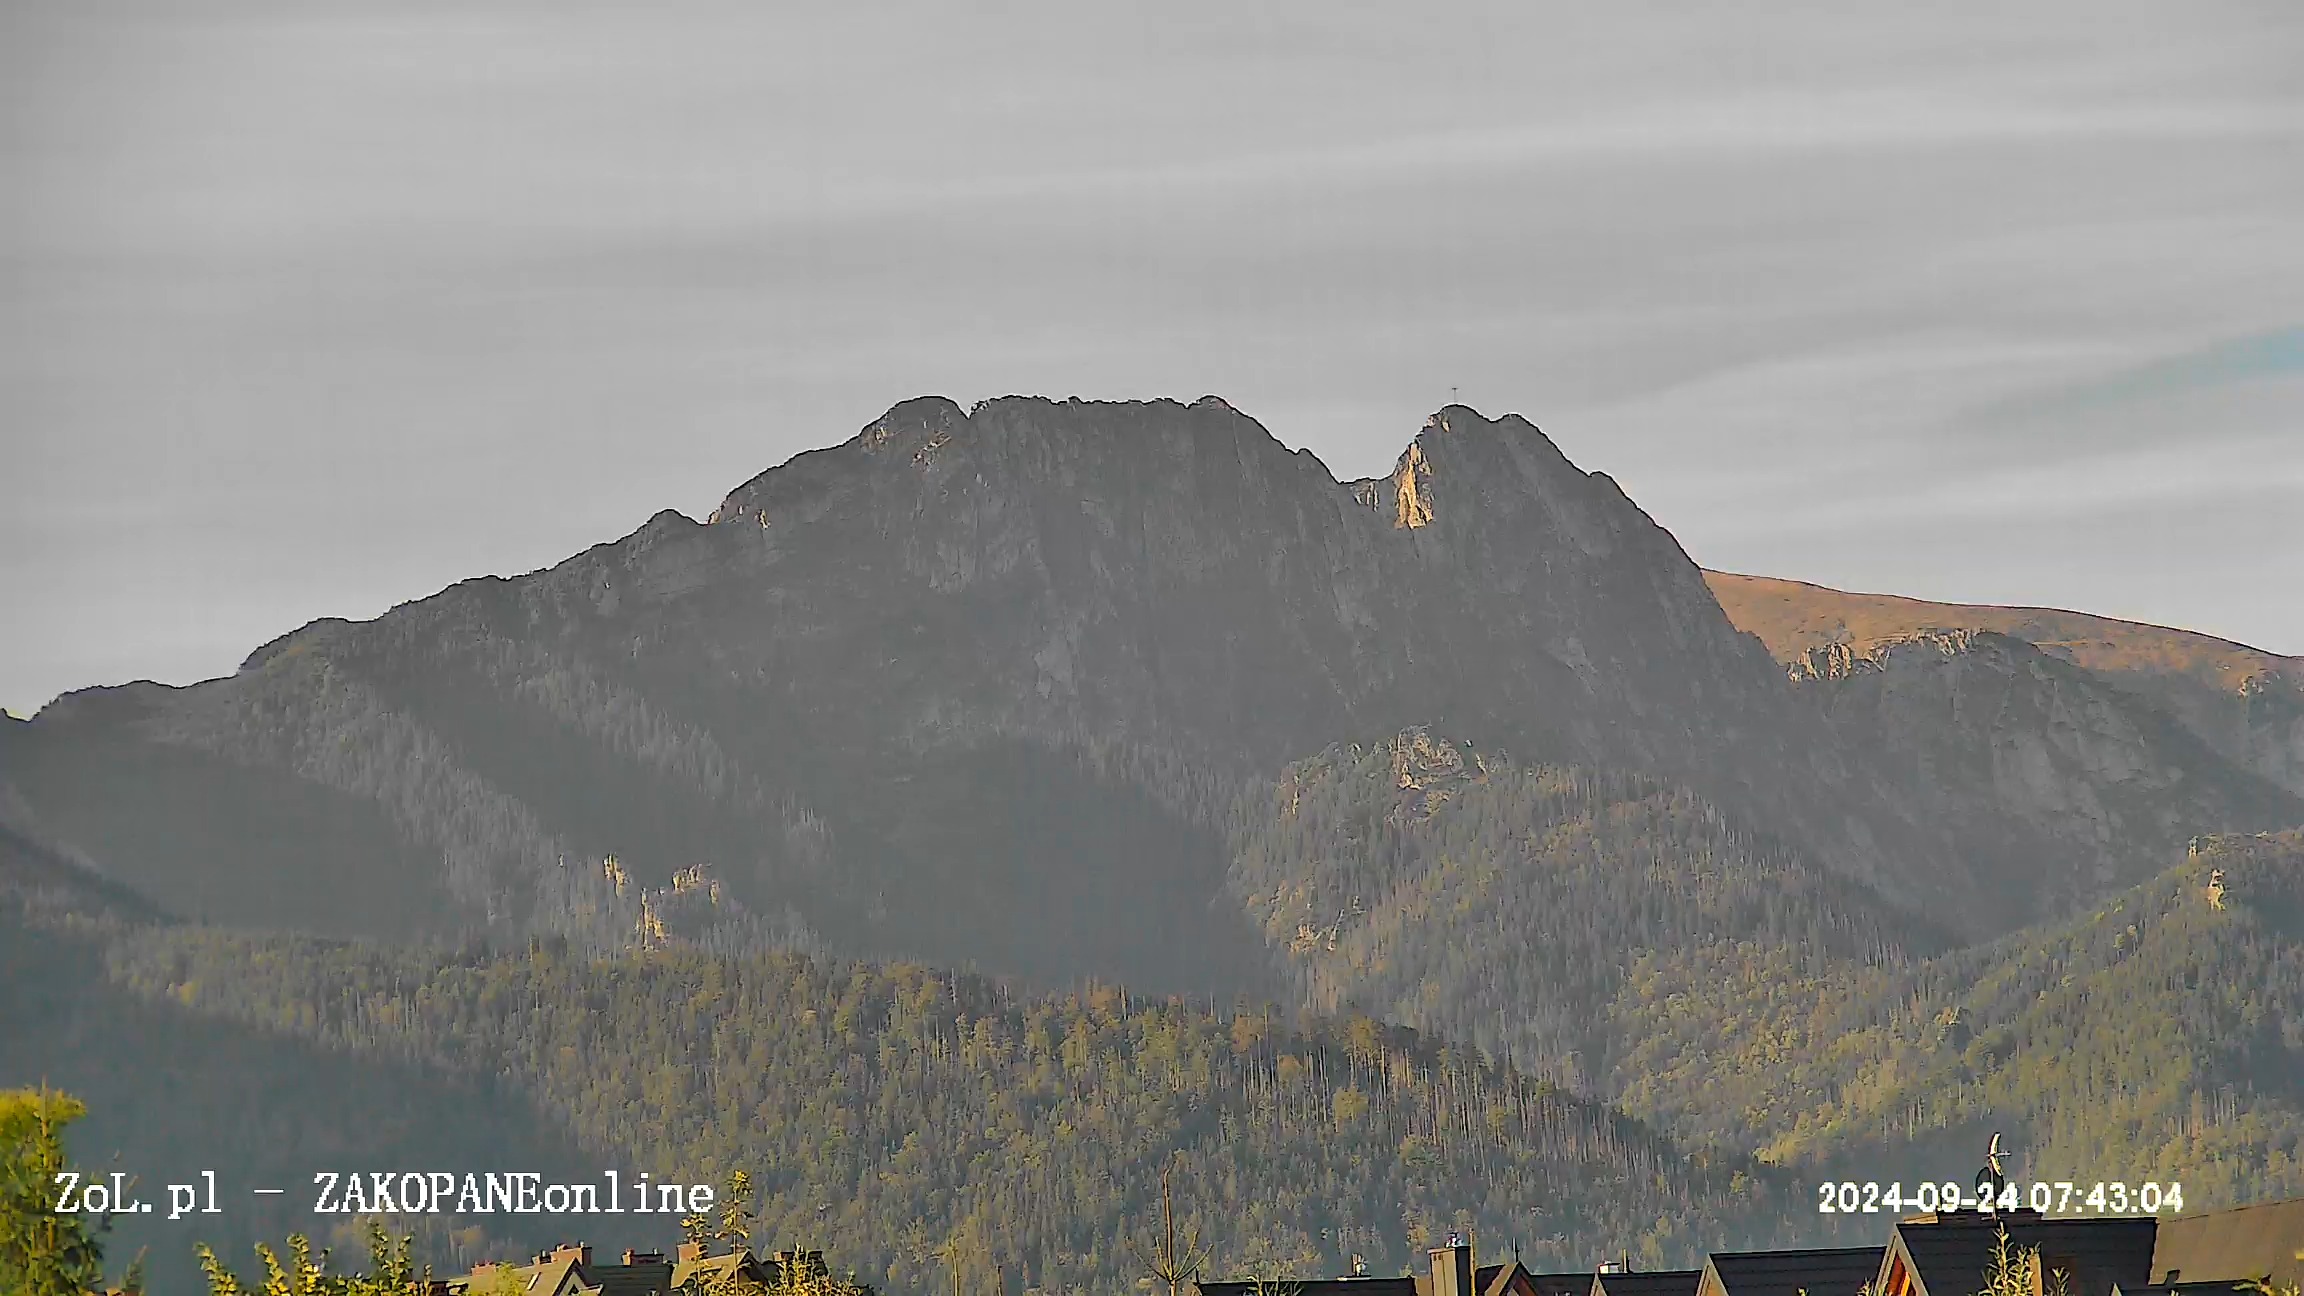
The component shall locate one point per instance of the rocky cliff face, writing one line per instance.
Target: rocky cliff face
(2245, 703)
(1171, 577)
(974, 685)
(2051, 760)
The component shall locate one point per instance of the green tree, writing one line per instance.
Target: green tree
(2013, 1270)
(806, 1274)
(304, 1272)
(44, 1252)
(734, 1225)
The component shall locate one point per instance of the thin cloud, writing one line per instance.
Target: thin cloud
(2278, 353)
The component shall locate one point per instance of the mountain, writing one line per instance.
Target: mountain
(2098, 744)
(976, 686)
(2245, 703)
(1655, 889)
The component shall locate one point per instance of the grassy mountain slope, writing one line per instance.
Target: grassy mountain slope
(2246, 703)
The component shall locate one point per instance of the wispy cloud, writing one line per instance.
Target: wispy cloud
(2278, 353)
(1780, 268)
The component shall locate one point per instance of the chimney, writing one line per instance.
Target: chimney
(632, 1257)
(691, 1251)
(1452, 1270)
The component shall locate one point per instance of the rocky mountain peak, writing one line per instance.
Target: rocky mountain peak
(1161, 590)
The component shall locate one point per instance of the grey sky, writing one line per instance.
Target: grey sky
(307, 308)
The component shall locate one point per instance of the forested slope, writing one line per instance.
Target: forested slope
(1537, 909)
(2160, 1036)
(895, 1114)
(1626, 933)
(172, 1092)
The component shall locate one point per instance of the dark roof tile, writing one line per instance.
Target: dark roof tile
(1312, 1287)
(2226, 1287)
(1659, 1282)
(1952, 1254)
(1826, 1271)
(2250, 1242)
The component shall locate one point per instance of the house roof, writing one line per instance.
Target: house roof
(1951, 1255)
(1562, 1284)
(558, 1274)
(1487, 1280)
(733, 1263)
(1312, 1287)
(2224, 1287)
(1658, 1282)
(647, 1278)
(2250, 1242)
(1823, 1271)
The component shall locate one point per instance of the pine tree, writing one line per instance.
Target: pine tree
(43, 1252)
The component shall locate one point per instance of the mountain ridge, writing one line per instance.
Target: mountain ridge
(1129, 694)
(2245, 702)
(1023, 580)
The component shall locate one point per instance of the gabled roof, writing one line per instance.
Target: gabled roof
(1951, 1255)
(1495, 1280)
(559, 1274)
(2250, 1242)
(1562, 1284)
(740, 1263)
(1658, 1282)
(1824, 1271)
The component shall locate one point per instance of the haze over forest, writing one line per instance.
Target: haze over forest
(950, 608)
